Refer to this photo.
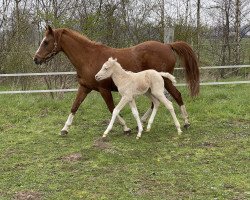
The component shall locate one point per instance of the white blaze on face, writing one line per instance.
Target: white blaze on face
(40, 45)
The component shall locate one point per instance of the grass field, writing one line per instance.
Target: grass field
(209, 161)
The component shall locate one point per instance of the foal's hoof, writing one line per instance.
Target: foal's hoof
(64, 132)
(127, 131)
(186, 126)
(148, 130)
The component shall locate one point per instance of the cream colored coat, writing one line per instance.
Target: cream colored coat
(130, 85)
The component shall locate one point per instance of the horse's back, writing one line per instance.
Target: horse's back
(155, 55)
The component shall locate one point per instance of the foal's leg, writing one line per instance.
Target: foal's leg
(116, 111)
(136, 115)
(81, 95)
(168, 104)
(147, 114)
(156, 104)
(149, 111)
(107, 96)
(178, 98)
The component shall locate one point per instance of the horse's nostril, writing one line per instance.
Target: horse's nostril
(35, 60)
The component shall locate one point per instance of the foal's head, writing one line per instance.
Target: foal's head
(48, 47)
(106, 70)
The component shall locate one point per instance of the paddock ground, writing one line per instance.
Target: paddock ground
(209, 161)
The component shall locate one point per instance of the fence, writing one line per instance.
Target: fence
(74, 73)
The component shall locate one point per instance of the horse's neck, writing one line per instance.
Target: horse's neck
(76, 49)
(120, 76)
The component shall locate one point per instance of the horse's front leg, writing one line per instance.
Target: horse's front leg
(81, 95)
(107, 96)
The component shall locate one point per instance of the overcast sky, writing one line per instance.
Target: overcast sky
(209, 13)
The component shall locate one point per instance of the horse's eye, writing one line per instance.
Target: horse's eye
(106, 68)
(45, 43)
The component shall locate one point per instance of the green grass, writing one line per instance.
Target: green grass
(209, 161)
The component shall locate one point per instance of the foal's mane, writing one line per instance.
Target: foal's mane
(119, 65)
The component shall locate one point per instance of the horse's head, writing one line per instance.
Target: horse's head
(106, 70)
(48, 47)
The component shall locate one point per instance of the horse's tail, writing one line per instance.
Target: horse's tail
(169, 76)
(190, 63)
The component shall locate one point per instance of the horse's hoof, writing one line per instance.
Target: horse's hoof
(179, 132)
(137, 137)
(64, 132)
(186, 126)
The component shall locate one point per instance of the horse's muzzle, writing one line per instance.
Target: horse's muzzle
(37, 61)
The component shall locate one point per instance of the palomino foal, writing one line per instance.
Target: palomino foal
(130, 85)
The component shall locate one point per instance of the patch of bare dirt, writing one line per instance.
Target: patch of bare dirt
(28, 195)
(142, 191)
(102, 143)
(209, 144)
(72, 157)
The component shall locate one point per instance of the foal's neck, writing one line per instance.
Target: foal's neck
(119, 76)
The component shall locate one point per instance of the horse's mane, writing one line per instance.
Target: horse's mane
(79, 36)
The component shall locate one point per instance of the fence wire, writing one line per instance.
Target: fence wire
(74, 73)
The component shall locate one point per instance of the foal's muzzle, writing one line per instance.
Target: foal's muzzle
(98, 78)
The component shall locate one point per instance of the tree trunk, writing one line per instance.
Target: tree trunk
(198, 26)
(162, 22)
(237, 30)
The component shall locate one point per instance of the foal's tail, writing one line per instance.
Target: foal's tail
(169, 76)
(190, 62)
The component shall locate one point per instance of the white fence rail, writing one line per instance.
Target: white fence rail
(74, 73)
(38, 74)
(222, 67)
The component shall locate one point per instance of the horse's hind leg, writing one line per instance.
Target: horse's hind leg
(81, 95)
(136, 115)
(107, 96)
(178, 98)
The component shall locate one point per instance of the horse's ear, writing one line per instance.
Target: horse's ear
(115, 59)
(49, 29)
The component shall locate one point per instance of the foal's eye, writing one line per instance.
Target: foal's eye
(106, 68)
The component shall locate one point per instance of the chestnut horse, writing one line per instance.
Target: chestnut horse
(88, 57)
